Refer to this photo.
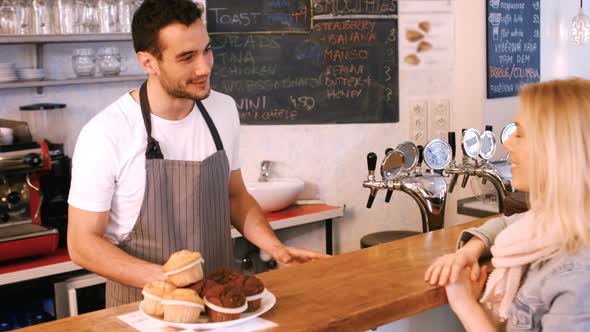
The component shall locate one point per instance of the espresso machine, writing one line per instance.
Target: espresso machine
(24, 168)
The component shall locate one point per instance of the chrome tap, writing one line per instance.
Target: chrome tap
(264, 171)
(427, 190)
(483, 145)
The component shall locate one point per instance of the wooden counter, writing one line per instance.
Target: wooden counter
(350, 292)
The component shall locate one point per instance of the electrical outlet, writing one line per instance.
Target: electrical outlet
(439, 118)
(419, 121)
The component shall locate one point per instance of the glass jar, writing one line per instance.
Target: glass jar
(46, 121)
(26, 18)
(84, 62)
(126, 9)
(42, 17)
(86, 16)
(108, 15)
(109, 61)
(7, 17)
(62, 16)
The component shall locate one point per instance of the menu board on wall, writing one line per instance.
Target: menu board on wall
(336, 74)
(348, 7)
(513, 46)
(342, 70)
(258, 15)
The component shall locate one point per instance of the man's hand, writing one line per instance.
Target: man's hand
(288, 256)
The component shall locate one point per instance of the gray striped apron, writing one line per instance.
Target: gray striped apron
(185, 206)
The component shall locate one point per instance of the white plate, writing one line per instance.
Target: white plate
(268, 301)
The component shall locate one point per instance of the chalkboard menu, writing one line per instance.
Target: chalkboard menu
(258, 15)
(341, 70)
(513, 46)
(347, 7)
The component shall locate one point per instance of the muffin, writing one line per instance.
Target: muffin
(224, 276)
(254, 290)
(225, 303)
(184, 268)
(182, 306)
(203, 285)
(153, 294)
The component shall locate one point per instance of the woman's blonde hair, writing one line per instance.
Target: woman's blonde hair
(558, 135)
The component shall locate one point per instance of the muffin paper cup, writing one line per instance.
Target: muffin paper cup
(257, 296)
(226, 310)
(185, 303)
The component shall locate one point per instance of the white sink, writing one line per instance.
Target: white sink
(276, 194)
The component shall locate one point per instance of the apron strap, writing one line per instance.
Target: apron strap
(211, 125)
(153, 150)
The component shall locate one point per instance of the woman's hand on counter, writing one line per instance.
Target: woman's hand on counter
(448, 267)
(288, 256)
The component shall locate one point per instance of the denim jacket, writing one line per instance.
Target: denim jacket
(555, 293)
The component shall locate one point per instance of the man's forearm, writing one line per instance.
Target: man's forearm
(100, 256)
(248, 219)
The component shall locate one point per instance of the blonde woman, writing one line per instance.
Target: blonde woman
(541, 279)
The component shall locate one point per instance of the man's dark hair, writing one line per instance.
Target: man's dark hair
(153, 15)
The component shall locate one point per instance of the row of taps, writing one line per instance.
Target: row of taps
(401, 170)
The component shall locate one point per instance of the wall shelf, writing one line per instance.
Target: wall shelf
(70, 38)
(39, 40)
(88, 80)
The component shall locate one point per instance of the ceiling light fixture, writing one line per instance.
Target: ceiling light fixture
(581, 27)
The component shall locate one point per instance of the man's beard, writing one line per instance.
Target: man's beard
(176, 89)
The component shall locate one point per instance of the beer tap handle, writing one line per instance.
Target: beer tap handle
(488, 128)
(453, 144)
(371, 164)
(389, 191)
(420, 156)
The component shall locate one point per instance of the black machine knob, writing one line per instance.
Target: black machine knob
(389, 192)
(271, 264)
(371, 161)
(489, 128)
(13, 197)
(452, 143)
(33, 159)
(247, 263)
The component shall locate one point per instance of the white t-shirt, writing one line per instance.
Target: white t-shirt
(108, 166)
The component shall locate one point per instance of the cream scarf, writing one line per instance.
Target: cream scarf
(514, 249)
